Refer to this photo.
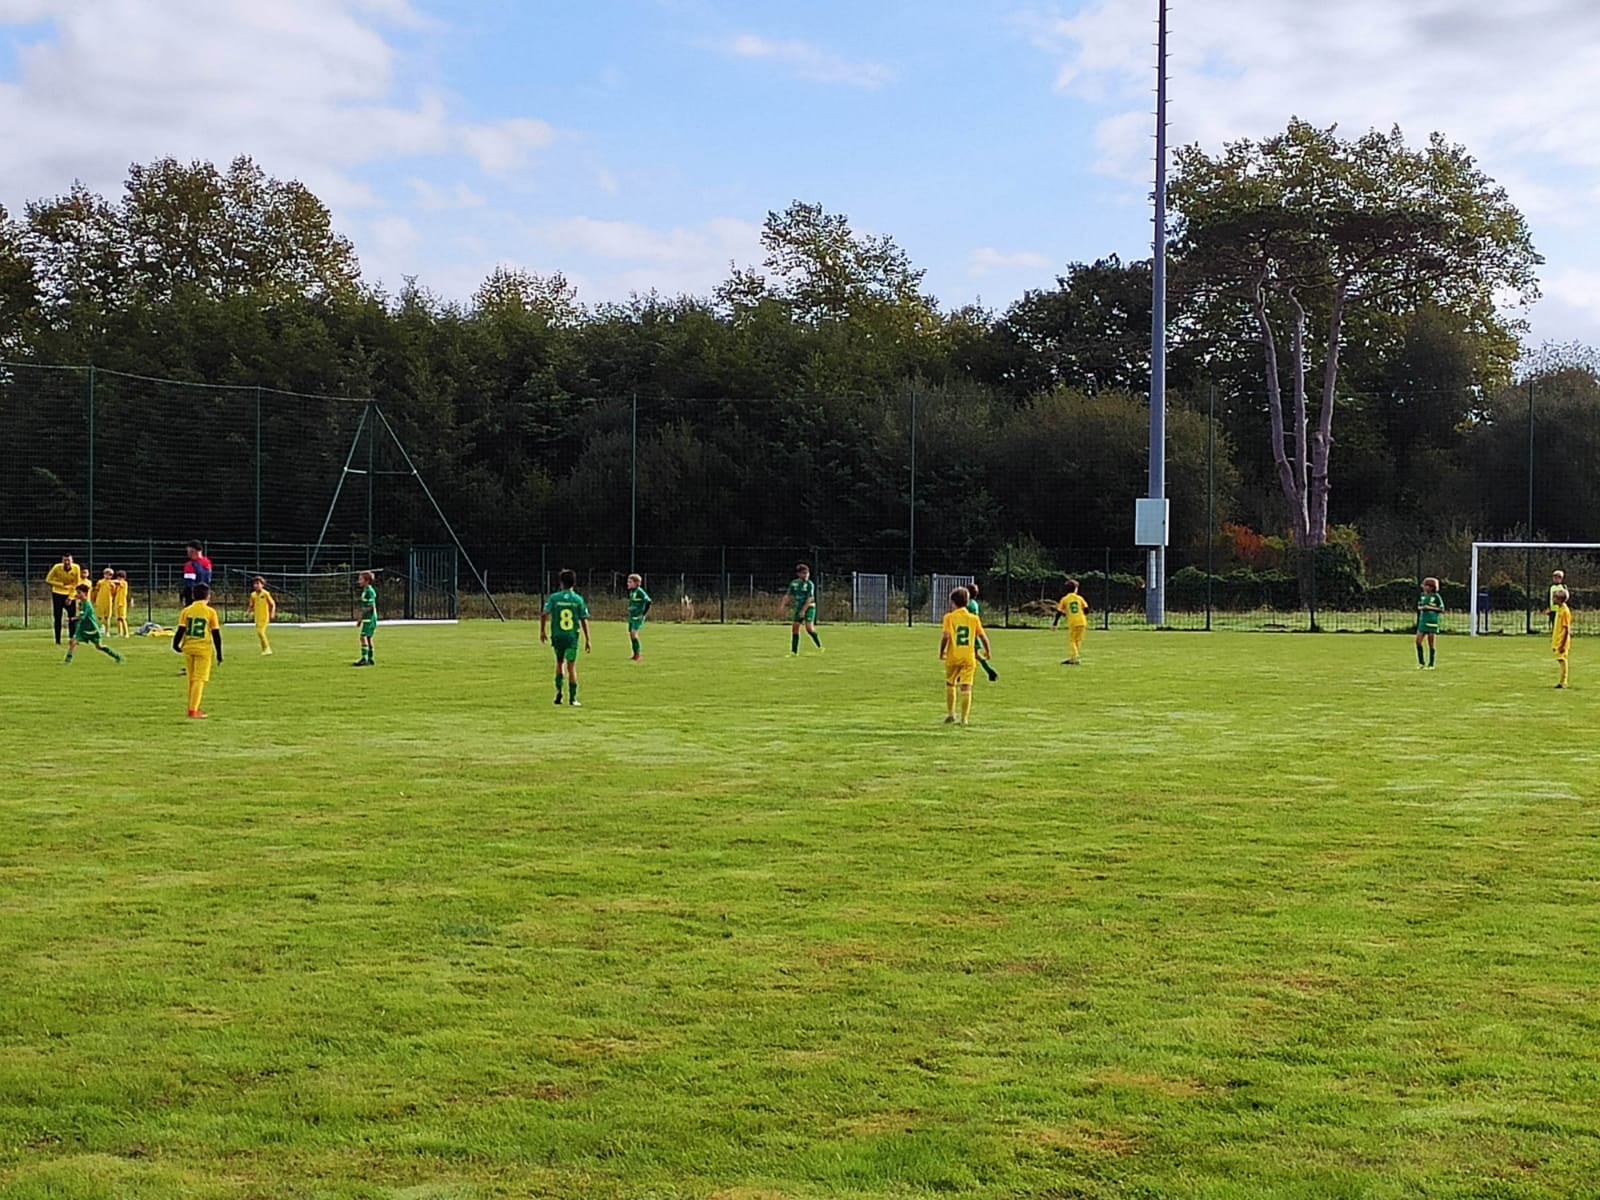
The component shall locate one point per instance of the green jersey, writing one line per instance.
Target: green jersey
(1430, 613)
(369, 603)
(567, 611)
(638, 601)
(802, 596)
(974, 608)
(87, 627)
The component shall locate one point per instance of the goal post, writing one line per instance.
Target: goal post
(1473, 589)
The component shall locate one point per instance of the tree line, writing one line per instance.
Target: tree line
(1338, 304)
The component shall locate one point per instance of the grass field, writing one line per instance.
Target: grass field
(1212, 915)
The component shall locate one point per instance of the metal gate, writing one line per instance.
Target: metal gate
(431, 583)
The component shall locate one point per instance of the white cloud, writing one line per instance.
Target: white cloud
(434, 198)
(312, 89)
(505, 146)
(807, 61)
(614, 258)
(1241, 67)
(986, 260)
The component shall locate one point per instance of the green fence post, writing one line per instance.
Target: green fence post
(1105, 609)
(723, 588)
(27, 581)
(89, 565)
(258, 477)
(1007, 623)
(150, 581)
(1211, 494)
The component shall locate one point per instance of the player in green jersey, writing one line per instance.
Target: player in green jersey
(368, 621)
(976, 610)
(801, 605)
(86, 627)
(1430, 620)
(638, 607)
(569, 614)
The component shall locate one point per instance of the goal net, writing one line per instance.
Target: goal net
(421, 587)
(1509, 584)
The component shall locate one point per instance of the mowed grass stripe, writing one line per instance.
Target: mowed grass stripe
(1216, 915)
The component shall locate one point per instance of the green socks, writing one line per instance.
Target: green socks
(572, 690)
(110, 651)
(1430, 656)
(816, 639)
(559, 678)
(1419, 654)
(635, 642)
(794, 643)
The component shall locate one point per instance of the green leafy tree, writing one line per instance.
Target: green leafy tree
(1306, 228)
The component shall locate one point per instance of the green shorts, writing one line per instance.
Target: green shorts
(1426, 626)
(369, 627)
(566, 648)
(808, 617)
(635, 624)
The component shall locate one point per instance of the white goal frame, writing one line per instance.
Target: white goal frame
(1472, 590)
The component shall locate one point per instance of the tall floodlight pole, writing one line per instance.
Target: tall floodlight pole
(1155, 596)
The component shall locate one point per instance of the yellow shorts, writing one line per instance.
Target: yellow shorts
(960, 671)
(199, 666)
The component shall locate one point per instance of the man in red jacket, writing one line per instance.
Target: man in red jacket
(196, 569)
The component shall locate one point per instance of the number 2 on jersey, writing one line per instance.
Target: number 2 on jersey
(963, 636)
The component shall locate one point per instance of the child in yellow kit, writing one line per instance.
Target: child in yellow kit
(199, 639)
(959, 641)
(1076, 610)
(264, 608)
(1560, 631)
(104, 598)
(119, 604)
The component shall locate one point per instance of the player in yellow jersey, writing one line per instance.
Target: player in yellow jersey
(1560, 631)
(263, 608)
(104, 597)
(119, 604)
(199, 639)
(960, 639)
(1076, 610)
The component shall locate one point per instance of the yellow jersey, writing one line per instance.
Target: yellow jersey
(64, 580)
(119, 598)
(260, 605)
(1074, 608)
(103, 595)
(962, 631)
(1561, 631)
(197, 622)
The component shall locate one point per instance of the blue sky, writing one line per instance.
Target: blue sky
(639, 143)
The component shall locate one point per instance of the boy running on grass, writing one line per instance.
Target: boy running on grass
(1560, 632)
(198, 638)
(959, 642)
(976, 610)
(638, 608)
(260, 605)
(571, 616)
(86, 628)
(801, 605)
(1075, 609)
(369, 619)
(1430, 620)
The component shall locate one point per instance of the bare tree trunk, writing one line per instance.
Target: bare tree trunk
(1280, 456)
(1302, 460)
(1322, 442)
